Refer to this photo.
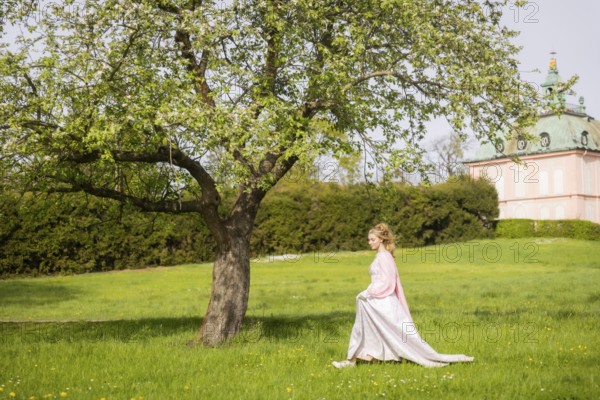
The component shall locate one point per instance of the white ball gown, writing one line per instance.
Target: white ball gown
(384, 329)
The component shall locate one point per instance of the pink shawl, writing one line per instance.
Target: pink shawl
(387, 280)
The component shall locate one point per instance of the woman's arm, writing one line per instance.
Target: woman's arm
(383, 283)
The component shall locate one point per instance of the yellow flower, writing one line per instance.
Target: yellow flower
(12, 394)
(186, 387)
(63, 394)
(289, 389)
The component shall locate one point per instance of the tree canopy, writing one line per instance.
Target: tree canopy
(193, 95)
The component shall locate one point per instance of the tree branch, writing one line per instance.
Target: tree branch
(30, 83)
(271, 62)
(164, 154)
(363, 78)
(166, 6)
(143, 204)
(130, 42)
(198, 69)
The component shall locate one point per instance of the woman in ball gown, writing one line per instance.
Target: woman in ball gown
(384, 329)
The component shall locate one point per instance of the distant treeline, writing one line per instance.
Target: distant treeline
(76, 233)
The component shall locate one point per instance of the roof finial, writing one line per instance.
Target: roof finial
(581, 105)
(553, 61)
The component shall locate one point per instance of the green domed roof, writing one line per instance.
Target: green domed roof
(573, 129)
(552, 133)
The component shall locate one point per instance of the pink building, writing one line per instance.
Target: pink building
(559, 177)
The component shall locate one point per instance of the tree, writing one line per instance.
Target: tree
(169, 104)
(446, 155)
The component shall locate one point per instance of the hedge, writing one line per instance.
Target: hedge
(301, 218)
(566, 228)
(75, 233)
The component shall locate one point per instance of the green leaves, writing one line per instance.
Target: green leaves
(241, 85)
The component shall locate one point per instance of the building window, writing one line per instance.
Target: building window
(544, 182)
(545, 139)
(588, 180)
(590, 214)
(521, 211)
(521, 143)
(558, 182)
(584, 138)
(500, 188)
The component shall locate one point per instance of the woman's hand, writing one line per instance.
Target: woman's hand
(362, 295)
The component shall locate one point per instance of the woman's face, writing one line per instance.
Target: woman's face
(374, 241)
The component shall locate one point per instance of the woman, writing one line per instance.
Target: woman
(384, 329)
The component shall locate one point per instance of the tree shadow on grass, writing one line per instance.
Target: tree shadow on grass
(301, 328)
(23, 293)
(327, 328)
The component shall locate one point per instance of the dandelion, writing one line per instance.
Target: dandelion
(12, 394)
(186, 387)
(63, 394)
(289, 389)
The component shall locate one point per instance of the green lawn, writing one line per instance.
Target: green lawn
(528, 310)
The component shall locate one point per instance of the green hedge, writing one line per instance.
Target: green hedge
(75, 233)
(301, 218)
(568, 228)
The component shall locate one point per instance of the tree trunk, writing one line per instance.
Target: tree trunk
(230, 290)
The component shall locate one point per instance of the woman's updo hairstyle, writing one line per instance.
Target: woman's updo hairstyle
(383, 232)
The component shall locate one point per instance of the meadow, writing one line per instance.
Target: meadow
(528, 310)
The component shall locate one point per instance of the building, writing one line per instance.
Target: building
(559, 173)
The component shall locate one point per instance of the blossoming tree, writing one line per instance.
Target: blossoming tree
(166, 104)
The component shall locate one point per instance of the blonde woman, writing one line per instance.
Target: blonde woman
(384, 329)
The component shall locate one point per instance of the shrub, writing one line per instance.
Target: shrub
(569, 228)
(515, 228)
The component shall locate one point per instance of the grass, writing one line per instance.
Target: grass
(528, 310)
